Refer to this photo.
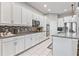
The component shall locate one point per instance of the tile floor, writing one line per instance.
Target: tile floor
(39, 50)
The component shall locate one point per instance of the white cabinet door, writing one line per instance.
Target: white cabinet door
(24, 16)
(16, 14)
(6, 12)
(60, 22)
(28, 41)
(42, 36)
(0, 47)
(19, 44)
(29, 20)
(37, 38)
(34, 39)
(41, 21)
(9, 48)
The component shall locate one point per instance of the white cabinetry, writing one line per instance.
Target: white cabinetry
(61, 22)
(64, 46)
(70, 18)
(38, 37)
(34, 39)
(29, 21)
(28, 41)
(8, 47)
(42, 21)
(16, 14)
(26, 17)
(6, 12)
(19, 44)
(0, 47)
(12, 46)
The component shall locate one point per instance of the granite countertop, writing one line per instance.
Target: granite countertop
(67, 35)
(15, 35)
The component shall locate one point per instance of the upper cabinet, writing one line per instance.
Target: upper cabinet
(6, 12)
(42, 21)
(26, 17)
(16, 14)
(70, 18)
(61, 22)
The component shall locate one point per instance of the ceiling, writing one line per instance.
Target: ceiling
(56, 7)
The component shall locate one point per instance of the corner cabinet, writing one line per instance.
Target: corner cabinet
(6, 12)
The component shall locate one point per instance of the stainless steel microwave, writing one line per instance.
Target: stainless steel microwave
(35, 23)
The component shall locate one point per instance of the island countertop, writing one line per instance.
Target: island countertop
(67, 35)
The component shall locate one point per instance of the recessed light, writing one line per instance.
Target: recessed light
(49, 9)
(45, 5)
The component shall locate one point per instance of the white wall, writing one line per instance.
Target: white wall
(52, 20)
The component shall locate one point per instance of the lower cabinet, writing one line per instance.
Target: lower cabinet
(27, 41)
(38, 37)
(34, 39)
(0, 47)
(14, 45)
(19, 44)
(9, 48)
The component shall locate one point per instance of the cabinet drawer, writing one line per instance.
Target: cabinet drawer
(8, 39)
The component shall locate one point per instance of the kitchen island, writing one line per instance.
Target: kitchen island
(65, 44)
